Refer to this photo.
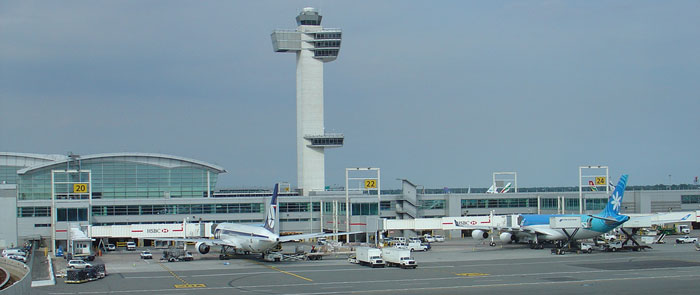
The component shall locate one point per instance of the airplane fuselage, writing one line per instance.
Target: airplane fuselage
(590, 226)
(244, 237)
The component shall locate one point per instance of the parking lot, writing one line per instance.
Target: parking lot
(453, 266)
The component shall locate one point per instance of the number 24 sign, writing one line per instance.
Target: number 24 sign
(600, 180)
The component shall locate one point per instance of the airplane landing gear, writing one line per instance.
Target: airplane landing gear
(227, 252)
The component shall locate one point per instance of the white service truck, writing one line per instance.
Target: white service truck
(369, 256)
(398, 257)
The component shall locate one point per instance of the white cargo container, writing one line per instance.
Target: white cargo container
(565, 222)
(398, 257)
(369, 256)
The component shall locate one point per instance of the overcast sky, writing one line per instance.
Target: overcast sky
(440, 93)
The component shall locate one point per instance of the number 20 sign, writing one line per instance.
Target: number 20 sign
(80, 188)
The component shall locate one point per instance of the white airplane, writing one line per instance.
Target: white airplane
(249, 238)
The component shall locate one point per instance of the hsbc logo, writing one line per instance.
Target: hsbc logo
(157, 231)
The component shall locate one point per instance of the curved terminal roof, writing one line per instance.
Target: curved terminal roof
(32, 156)
(145, 158)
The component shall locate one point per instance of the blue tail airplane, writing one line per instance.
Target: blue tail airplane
(537, 227)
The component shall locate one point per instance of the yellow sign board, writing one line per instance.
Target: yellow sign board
(80, 188)
(600, 181)
(370, 183)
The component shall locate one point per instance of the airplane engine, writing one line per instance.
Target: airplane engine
(479, 234)
(507, 237)
(202, 248)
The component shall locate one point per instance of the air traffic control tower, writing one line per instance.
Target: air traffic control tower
(313, 46)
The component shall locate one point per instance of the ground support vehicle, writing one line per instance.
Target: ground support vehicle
(146, 255)
(111, 247)
(686, 239)
(279, 256)
(398, 257)
(369, 256)
(130, 246)
(413, 247)
(173, 255)
(76, 276)
(574, 248)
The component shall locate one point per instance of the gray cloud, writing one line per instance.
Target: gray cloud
(440, 93)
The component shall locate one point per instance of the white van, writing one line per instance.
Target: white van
(130, 246)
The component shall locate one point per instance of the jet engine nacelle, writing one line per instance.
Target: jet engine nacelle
(202, 248)
(507, 237)
(479, 234)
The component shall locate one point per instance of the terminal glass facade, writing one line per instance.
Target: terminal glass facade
(502, 203)
(690, 199)
(116, 179)
(364, 209)
(177, 209)
(8, 174)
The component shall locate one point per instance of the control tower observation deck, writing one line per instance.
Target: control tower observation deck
(313, 46)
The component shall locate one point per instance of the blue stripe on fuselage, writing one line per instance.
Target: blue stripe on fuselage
(238, 233)
(598, 225)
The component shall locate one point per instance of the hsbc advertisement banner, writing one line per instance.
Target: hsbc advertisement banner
(146, 231)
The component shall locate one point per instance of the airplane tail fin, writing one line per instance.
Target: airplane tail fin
(492, 189)
(271, 218)
(506, 188)
(615, 200)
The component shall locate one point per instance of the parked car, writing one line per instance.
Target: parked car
(399, 240)
(111, 247)
(686, 239)
(130, 246)
(17, 257)
(14, 251)
(428, 238)
(414, 240)
(78, 264)
(146, 255)
(439, 238)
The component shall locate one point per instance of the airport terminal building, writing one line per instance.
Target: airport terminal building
(43, 196)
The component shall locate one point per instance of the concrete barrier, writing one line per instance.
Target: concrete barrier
(20, 273)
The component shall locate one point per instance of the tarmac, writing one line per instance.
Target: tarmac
(454, 267)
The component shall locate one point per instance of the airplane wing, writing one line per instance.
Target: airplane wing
(604, 218)
(290, 238)
(210, 242)
(485, 227)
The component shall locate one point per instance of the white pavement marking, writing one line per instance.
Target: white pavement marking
(270, 272)
(403, 289)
